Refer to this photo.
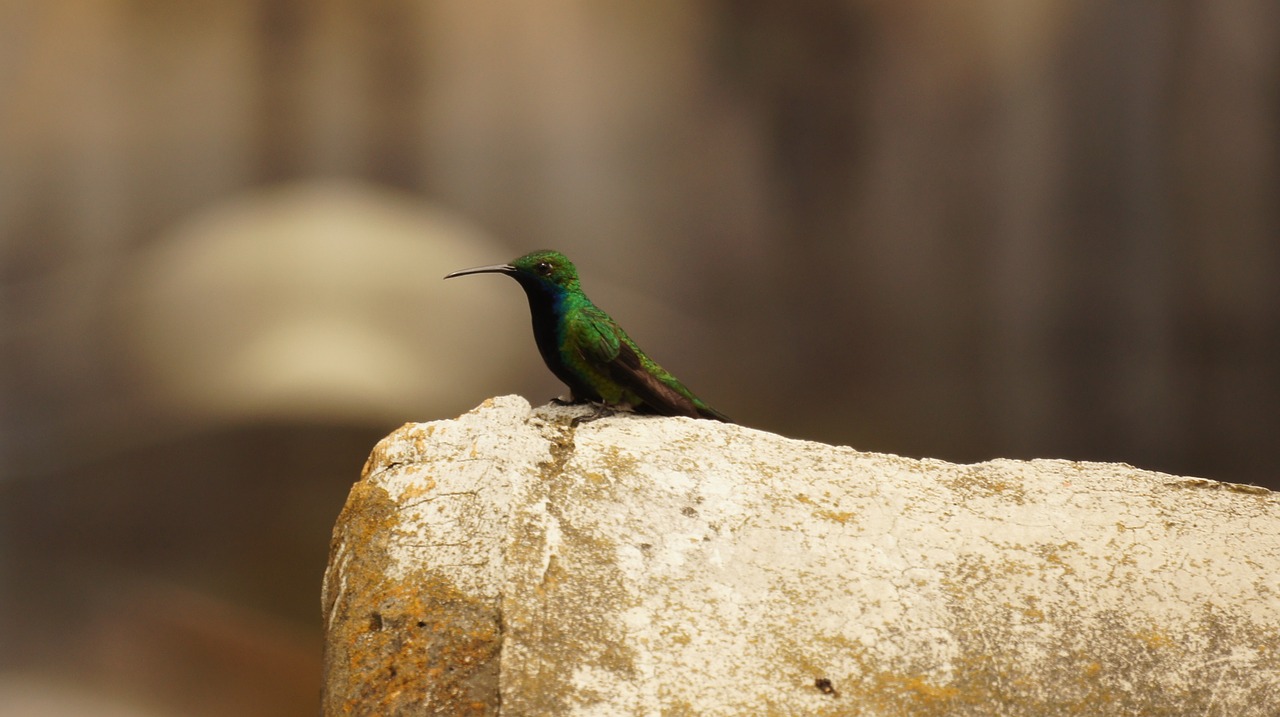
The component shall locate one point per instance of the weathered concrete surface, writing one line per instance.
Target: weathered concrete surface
(512, 562)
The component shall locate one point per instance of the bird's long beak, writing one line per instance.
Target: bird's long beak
(494, 269)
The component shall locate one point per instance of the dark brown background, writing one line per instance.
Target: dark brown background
(1014, 228)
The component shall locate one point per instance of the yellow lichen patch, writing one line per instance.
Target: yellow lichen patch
(892, 693)
(424, 646)
(1053, 553)
(838, 516)
(400, 645)
(418, 490)
(1152, 638)
(1031, 611)
(981, 483)
(921, 689)
(619, 462)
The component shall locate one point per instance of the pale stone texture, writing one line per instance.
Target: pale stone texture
(513, 562)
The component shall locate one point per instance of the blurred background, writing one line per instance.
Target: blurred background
(1000, 228)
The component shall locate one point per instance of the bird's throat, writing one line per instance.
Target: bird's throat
(548, 309)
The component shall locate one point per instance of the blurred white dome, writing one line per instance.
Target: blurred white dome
(318, 299)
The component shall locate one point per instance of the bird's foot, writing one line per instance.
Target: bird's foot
(598, 411)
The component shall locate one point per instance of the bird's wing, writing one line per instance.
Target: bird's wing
(595, 335)
(658, 396)
(603, 344)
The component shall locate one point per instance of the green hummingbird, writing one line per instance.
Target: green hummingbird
(584, 347)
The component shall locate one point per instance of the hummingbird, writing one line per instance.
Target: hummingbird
(584, 347)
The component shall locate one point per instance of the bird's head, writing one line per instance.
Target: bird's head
(545, 270)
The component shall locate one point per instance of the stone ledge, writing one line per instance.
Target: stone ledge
(510, 561)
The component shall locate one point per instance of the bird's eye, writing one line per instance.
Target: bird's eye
(543, 268)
